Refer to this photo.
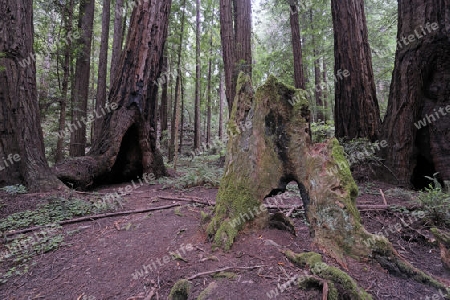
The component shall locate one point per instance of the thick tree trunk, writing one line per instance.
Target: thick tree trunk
(197, 127)
(417, 122)
(117, 40)
(243, 37)
(357, 114)
(102, 67)
(299, 78)
(68, 17)
(126, 147)
(21, 138)
(80, 91)
(270, 146)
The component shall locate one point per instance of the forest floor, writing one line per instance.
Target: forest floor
(131, 256)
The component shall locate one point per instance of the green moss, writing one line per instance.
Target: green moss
(227, 275)
(345, 175)
(441, 236)
(181, 290)
(206, 293)
(303, 259)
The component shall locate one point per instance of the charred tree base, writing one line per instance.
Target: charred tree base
(124, 153)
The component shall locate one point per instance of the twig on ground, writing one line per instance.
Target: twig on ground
(186, 200)
(384, 198)
(223, 270)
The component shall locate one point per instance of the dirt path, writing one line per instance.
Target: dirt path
(127, 257)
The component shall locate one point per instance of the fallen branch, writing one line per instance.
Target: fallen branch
(187, 200)
(223, 270)
(91, 218)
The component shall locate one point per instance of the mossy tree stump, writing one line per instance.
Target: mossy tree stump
(269, 146)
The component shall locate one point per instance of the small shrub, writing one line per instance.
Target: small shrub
(15, 189)
(436, 203)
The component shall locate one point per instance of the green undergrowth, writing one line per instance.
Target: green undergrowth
(55, 209)
(201, 171)
(435, 202)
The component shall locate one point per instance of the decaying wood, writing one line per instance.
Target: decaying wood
(92, 218)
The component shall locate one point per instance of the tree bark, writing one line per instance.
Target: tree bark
(21, 138)
(299, 78)
(126, 147)
(102, 66)
(208, 91)
(228, 52)
(197, 125)
(173, 127)
(68, 17)
(222, 97)
(164, 95)
(357, 114)
(117, 39)
(416, 127)
(80, 91)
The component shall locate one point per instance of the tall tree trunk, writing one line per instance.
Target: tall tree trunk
(173, 127)
(197, 125)
(68, 18)
(243, 36)
(209, 114)
(417, 125)
(182, 113)
(163, 108)
(80, 91)
(317, 74)
(117, 39)
(299, 78)
(357, 114)
(126, 148)
(325, 89)
(177, 121)
(228, 49)
(102, 66)
(222, 97)
(21, 138)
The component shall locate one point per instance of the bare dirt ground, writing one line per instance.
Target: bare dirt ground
(129, 257)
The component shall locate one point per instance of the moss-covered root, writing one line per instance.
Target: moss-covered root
(335, 276)
(388, 258)
(181, 290)
(444, 243)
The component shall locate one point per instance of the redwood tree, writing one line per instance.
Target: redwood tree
(126, 147)
(357, 114)
(80, 90)
(420, 92)
(299, 78)
(21, 138)
(235, 32)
